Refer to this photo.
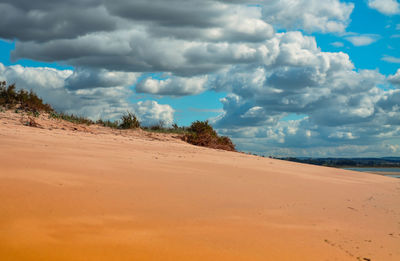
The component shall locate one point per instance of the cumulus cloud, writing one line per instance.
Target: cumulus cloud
(174, 86)
(152, 113)
(387, 7)
(395, 78)
(343, 106)
(311, 15)
(42, 21)
(107, 102)
(83, 78)
(185, 38)
(134, 51)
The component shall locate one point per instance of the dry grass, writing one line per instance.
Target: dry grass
(129, 121)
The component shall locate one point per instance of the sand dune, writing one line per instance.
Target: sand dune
(88, 193)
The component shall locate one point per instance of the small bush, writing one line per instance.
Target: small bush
(202, 127)
(129, 121)
(201, 133)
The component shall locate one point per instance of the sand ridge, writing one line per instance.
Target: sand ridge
(73, 192)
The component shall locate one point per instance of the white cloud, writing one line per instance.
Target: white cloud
(343, 107)
(86, 79)
(387, 7)
(395, 78)
(174, 86)
(390, 59)
(152, 113)
(310, 15)
(184, 38)
(108, 102)
(35, 76)
(337, 44)
(342, 135)
(362, 40)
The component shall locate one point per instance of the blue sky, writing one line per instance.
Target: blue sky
(283, 78)
(368, 21)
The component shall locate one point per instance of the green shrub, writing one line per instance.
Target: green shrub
(129, 121)
(201, 133)
(202, 127)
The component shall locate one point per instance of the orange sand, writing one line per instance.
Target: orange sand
(93, 194)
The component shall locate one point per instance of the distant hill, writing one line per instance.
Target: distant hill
(392, 158)
(385, 162)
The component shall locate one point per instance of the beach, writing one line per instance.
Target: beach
(88, 193)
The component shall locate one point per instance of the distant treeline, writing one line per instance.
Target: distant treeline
(386, 162)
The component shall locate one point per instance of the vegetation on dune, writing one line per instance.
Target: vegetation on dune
(71, 118)
(200, 133)
(108, 123)
(129, 121)
(161, 128)
(22, 100)
(31, 103)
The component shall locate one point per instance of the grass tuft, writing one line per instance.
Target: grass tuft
(108, 123)
(71, 118)
(129, 121)
(160, 128)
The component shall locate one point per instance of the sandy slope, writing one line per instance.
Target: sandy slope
(91, 194)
